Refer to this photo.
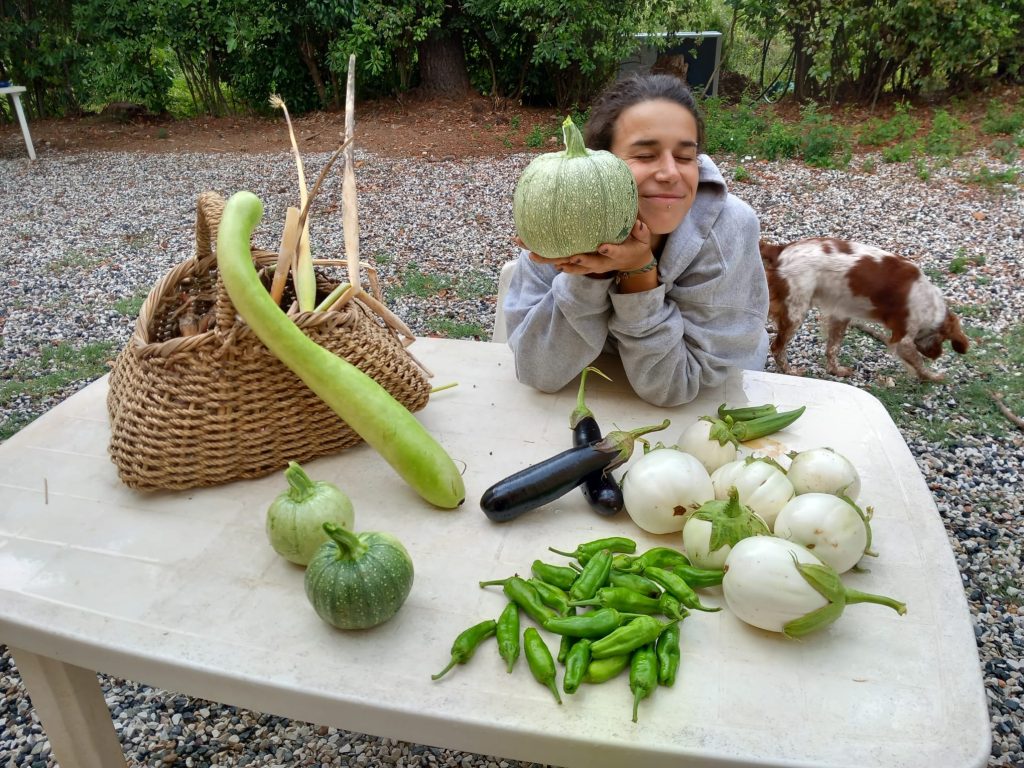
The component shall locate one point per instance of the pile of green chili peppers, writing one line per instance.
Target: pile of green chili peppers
(604, 607)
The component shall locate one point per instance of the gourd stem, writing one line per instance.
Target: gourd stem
(350, 546)
(300, 486)
(574, 146)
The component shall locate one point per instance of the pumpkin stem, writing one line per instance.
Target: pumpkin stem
(300, 486)
(574, 146)
(350, 546)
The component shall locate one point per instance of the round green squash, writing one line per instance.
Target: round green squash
(296, 517)
(356, 581)
(571, 201)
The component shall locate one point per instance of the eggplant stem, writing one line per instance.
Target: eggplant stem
(856, 596)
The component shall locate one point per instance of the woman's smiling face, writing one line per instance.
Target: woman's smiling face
(658, 141)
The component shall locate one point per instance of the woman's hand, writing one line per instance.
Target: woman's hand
(632, 253)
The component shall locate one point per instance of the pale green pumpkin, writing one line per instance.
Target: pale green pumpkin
(356, 581)
(295, 519)
(572, 201)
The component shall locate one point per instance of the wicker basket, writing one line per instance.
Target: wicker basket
(205, 409)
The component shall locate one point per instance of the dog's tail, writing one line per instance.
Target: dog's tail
(770, 254)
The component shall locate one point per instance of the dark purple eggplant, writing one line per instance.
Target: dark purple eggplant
(600, 489)
(554, 477)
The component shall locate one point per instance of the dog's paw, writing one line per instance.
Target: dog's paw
(841, 370)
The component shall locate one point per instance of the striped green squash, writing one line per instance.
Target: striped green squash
(356, 581)
(571, 201)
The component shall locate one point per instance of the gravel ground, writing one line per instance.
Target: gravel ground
(83, 232)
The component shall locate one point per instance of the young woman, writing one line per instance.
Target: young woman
(684, 298)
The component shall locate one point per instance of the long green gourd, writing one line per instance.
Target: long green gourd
(365, 405)
(571, 201)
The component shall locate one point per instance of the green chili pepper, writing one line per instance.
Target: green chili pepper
(667, 651)
(551, 596)
(563, 648)
(660, 557)
(587, 550)
(561, 576)
(594, 576)
(678, 588)
(507, 633)
(622, 599)
(746, 413)
(566, 641)
(699, 578)
(602, 670)
(539, 659)
(643, 674)
(593, 625)
(627, 638)
(624, 563)
(523, 594)
(466, 643)
(634, 581)
(764, 425)
(576, 662)
(672, 607)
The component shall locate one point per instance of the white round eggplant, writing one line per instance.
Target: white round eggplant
(762, 585)
(662, 487)
(710, 533)
(697, 441)
(781, 586)
(761, 484)
(832, 527)
(824, 470)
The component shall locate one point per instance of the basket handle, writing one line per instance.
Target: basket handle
(209, 210)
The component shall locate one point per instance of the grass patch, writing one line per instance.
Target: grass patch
(74, 260)
(49, 375)
(993, 180)
(475, 284)
(414, 282)
(453, 329)
(741, 174)
(130, 306)
(993, 365)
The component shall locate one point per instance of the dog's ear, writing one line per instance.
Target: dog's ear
(957, 338)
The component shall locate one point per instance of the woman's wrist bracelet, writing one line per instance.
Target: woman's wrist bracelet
(652, 264)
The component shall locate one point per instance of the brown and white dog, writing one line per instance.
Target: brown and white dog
(853, 281)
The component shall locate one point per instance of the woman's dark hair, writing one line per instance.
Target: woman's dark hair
(623, 94)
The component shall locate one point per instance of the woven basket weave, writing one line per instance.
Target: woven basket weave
(190, 411)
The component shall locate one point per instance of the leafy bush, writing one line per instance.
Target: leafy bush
(779, 141)
(945, 138)
(900, 127)
(730, 130)
(823, 144)
(899, 153)
(1000, 118)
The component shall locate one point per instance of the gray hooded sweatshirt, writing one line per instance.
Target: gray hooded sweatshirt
(707, 314)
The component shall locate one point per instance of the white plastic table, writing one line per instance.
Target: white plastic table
(182, 591)
(15, 91)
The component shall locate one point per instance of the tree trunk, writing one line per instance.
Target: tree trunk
(801, 67)
(308, 54)
(443, 65)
